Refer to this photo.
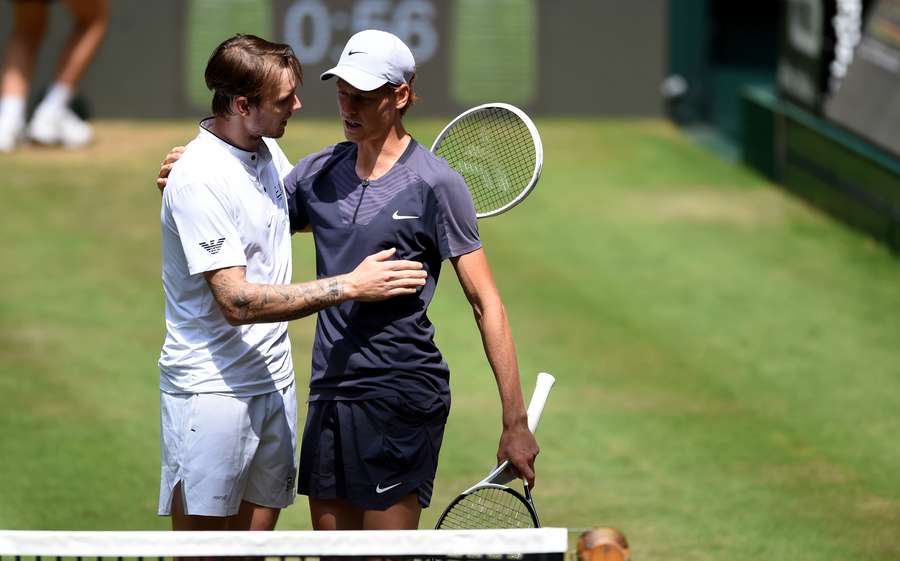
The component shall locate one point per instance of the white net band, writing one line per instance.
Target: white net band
(407, 543)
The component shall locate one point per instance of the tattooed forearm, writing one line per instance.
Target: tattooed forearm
(242, 299)
(243, 302)
(335, 290)
(303, 299)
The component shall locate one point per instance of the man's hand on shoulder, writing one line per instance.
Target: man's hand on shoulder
(165, 168)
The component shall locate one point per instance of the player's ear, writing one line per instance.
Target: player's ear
(402, 95)
(241, 106)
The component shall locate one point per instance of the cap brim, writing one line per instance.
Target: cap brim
(355, 77)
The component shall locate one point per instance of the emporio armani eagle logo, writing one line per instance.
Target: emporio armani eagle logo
(213, 246)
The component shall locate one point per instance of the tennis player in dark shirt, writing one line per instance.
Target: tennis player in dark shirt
(379, 390)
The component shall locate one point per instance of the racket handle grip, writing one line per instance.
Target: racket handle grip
(542, 388)
(503, 473)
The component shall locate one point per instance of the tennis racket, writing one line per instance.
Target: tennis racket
(497, 150)
(490, 503)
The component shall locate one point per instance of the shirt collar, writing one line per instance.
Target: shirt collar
(252, 159)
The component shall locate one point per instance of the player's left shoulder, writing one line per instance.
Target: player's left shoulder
(434, 170)
(420, 157)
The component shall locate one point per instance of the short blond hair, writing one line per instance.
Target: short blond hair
(247, 66)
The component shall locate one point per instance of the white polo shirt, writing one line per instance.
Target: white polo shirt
(223, 207)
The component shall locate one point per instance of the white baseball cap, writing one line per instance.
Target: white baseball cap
(372, 59)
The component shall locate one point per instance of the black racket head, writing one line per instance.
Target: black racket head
(489, 507)
(498, 151)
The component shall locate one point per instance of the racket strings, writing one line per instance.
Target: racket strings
(488, 508)
(495, 153)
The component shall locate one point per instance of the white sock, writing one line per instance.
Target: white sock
(56, 99)
(12, 109)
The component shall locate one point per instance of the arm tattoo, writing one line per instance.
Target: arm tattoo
(261, 303)
(335, 290)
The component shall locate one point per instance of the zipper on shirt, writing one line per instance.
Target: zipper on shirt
(365, 184)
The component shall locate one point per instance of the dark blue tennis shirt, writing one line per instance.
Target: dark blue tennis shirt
(422, 207)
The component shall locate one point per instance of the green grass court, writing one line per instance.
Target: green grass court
(727, 358)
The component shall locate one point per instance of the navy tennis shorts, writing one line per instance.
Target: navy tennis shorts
(370, 452)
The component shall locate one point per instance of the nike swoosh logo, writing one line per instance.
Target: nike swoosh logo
(398, 216)
(380, 490)
(351, 53)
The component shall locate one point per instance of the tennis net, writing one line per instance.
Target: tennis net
(543, 544)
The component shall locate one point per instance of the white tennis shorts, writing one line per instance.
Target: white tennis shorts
(226, 449)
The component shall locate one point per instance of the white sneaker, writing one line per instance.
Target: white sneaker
(59, 127)
(74, 131)
(44, 126)
(12, 132)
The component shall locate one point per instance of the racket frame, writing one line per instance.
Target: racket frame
(484, 485)
(501, 474)
(535, 136)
